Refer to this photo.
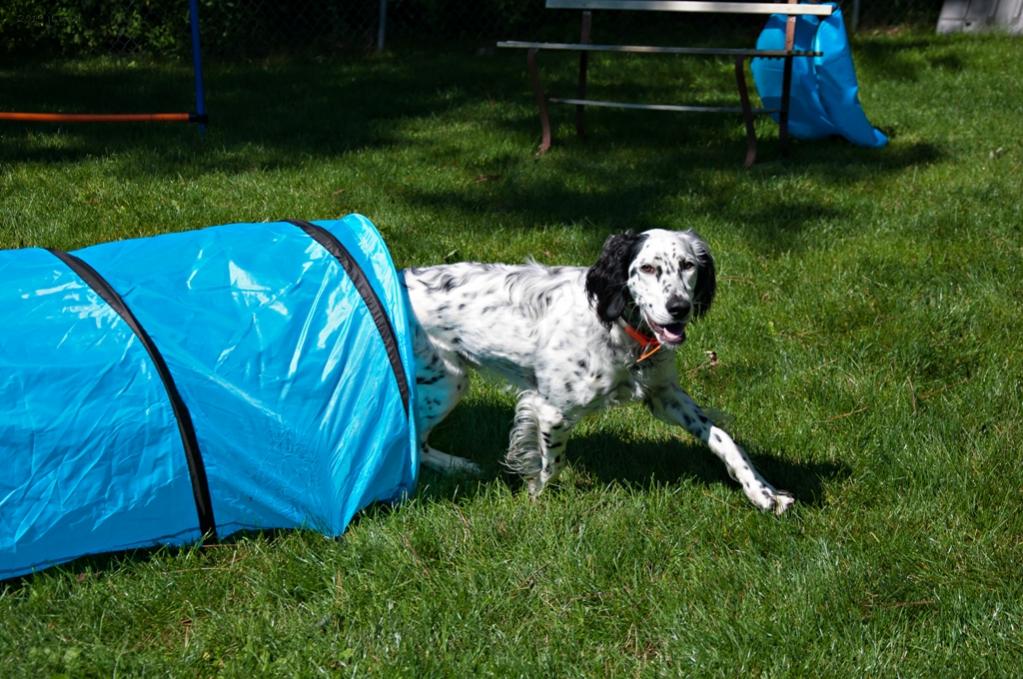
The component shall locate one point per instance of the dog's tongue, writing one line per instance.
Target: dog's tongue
(673, 333)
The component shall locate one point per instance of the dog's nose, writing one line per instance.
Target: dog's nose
(678, 308)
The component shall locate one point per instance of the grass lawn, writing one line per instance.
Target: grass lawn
(867, 329)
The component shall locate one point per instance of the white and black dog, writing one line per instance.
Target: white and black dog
(571, 340)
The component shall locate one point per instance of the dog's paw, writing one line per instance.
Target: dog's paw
(767, 499)
(535, 486)
(782, 501)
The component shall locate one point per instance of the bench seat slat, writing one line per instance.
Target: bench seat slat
(657, 107)
(693, 6)
(644, 49)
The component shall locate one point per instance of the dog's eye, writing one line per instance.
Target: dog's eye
(686, 265)
(648, 269)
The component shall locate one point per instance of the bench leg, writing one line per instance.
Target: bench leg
(747, 112)
(541, 102)
(584, 62)
(783, 114)
(786, 85)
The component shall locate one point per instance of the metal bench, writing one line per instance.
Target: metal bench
(584, 47)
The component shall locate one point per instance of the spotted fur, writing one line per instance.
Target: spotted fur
(557, 335)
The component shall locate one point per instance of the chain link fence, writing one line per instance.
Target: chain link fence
(256, 28)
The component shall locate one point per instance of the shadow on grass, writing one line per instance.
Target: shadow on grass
(425, 111)
(581, 183)
(647, 465)
(280, 113)
(608, 458)
(292, 108)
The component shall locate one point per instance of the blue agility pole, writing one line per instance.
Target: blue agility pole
(200, 96)
(382, 25)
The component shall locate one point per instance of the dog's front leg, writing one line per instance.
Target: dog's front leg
(536, 449)
(674, 406)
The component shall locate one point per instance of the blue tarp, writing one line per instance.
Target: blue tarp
(825, 94)
(301, 413)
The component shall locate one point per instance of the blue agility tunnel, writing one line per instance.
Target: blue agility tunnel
(824, 100)
(187, 386)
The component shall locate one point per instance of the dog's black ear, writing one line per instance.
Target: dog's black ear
(607, 280)
(706, 276)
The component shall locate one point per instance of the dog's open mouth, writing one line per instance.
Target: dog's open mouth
(671, 334)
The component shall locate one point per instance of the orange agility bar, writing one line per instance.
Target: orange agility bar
(102, 117)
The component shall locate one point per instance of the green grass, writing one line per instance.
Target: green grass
(867, 328)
